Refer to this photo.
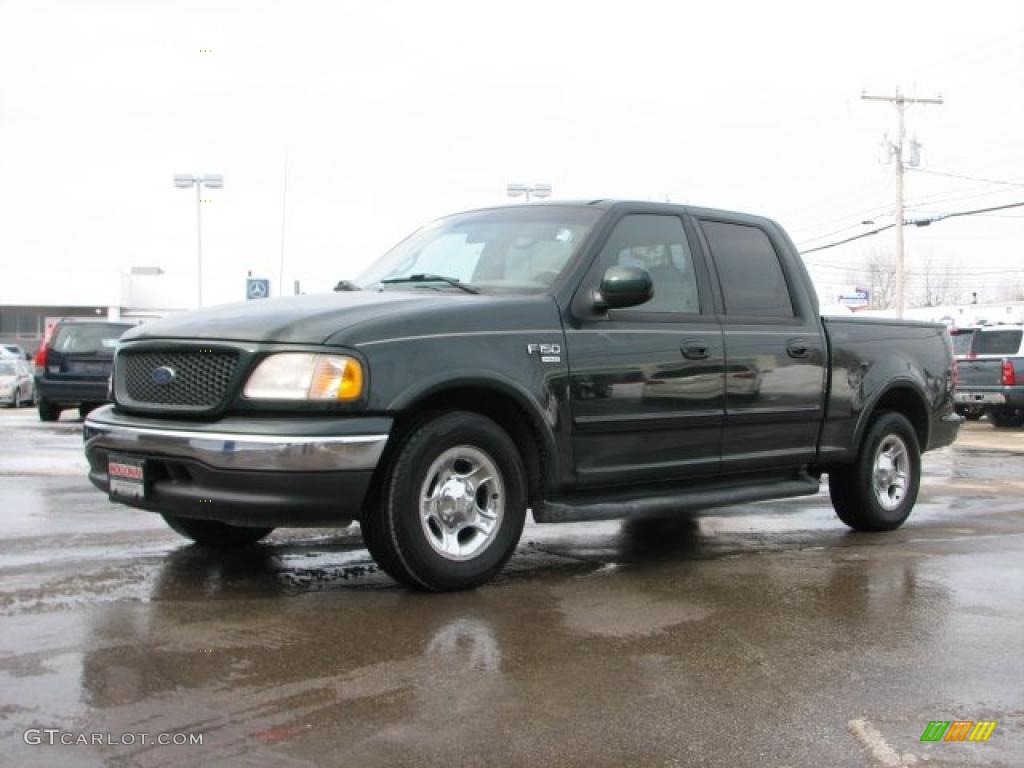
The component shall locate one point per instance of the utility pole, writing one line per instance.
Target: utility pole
(900, 102)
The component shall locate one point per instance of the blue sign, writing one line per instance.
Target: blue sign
(257, 288)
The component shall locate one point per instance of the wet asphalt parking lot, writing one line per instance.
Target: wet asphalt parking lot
(766, 635)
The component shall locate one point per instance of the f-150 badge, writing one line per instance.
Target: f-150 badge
(549, 353)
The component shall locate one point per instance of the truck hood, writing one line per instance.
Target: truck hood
(296, 319)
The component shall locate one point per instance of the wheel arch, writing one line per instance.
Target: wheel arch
(514, 410)
(905, 397)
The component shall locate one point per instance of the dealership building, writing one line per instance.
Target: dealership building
(31, 302)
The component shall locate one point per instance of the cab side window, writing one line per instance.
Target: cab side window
(657, 244)
(749, 271)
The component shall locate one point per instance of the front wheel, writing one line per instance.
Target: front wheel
(215, 534)
(452, 507)
(877, 491)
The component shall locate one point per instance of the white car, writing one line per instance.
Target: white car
(16, 385)
(14, 350)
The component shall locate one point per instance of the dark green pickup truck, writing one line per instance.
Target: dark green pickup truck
(587, 360)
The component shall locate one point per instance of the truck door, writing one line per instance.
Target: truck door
(775, 354)
(646, 382)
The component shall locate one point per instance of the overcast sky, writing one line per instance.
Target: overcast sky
(393, 113)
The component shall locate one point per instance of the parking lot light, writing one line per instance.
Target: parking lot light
(210, 181)
(515, 189)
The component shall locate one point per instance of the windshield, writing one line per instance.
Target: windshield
(7, 369)
(519, 250)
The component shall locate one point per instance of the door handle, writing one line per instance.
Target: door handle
(797, 348)
(695, 349)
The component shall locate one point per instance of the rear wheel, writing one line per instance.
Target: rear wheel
(48, 411)
(452, 507)
(86, 408)
(1006, 417)
(877, 491)
(215, 534)
(17, 398)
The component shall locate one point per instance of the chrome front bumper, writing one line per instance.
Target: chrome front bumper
(281, 448)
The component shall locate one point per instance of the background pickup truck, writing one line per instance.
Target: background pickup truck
(592, 360)
(991, 377)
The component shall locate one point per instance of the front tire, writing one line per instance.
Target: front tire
(48, 411)
(215, 534)
(452, 507)
(878, 491)
(17, 399)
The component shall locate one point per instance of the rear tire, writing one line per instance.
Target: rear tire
(878, 491)
(86, 408)
(48, 411)
(452, 507)
(17, 399)
(211, 533)
(1006, 417)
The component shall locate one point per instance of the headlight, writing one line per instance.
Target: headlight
(305, 376)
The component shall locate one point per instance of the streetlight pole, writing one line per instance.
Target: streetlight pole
(211, 181)
(199, 247)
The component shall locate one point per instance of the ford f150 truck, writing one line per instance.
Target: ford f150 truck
(586, 361)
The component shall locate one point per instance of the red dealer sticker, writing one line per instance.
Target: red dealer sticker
(127, 477)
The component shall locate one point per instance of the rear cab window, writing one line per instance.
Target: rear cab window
(749, 271)
(998, 342)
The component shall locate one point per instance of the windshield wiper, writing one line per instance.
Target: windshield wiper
(426, 278)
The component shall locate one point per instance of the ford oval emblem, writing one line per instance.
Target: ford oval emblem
(163, 375)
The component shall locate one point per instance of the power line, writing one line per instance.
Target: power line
(829, 234)
(849, 239)
(916, 222)
(968, 178)
(952, 196)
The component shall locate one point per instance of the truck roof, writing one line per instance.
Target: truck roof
(610, 203)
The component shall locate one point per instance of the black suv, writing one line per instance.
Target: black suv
(72, 369)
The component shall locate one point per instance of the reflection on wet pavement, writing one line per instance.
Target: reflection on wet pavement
(753, 636)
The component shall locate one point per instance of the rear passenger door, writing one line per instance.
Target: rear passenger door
(775, 354)
(646, 385)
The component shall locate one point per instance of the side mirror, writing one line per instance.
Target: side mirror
(624, 287)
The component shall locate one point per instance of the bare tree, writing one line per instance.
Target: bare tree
(879, 277)
(1010, 292)
(939, 285)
